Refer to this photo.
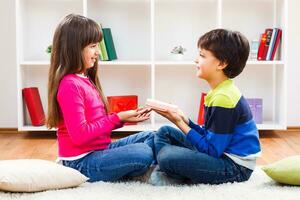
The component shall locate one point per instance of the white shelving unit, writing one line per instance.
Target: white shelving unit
(144, 32)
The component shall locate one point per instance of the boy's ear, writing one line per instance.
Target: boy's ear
(222, 65)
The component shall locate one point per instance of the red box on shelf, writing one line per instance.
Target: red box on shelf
(123, 103)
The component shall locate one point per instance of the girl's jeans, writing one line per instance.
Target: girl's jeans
(179, 159)
(125, 158)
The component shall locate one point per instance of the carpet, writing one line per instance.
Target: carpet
(259, 186)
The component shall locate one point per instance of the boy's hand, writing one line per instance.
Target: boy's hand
(172, 116)
(138, 115)
(175, 118)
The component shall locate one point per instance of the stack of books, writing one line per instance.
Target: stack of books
(106, 46)
(268, 43)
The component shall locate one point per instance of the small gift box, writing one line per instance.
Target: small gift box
(256, 107)
(122, 103)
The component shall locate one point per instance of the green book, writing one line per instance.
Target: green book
(102, 46)
(109, 43)
(100, 54)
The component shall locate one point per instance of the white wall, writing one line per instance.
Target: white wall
(293, 75)
(8, 85)
(8, 77)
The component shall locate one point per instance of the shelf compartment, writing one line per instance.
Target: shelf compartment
(179, 85)
(171, 27)
(253, 16)
(130, 25)
(33, 76)
(126, 80)
(268, 83)
(37, 21)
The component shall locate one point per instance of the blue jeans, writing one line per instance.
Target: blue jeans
(179, 159)
(128, 157)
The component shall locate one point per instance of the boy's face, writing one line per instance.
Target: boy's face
(207, 65)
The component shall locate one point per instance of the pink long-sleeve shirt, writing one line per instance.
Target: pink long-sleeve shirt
(85, 126)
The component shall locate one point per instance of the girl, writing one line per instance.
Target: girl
(78, 108)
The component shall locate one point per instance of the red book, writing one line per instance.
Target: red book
(34, 105)
(271, 46)
(260, 53)
(277, 41)
(268, 33)
(122, 103)
(201, 110)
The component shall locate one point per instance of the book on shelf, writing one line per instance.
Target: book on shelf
(268, 33)
(103, 52)
(272, 42)
(261, 48)
(268, 44)
(254, 49)
(34, 105)
(109, 43)
(276, 43)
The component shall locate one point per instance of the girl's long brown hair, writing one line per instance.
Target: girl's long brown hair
(71, 36)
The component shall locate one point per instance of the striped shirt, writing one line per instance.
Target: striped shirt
(229, 127)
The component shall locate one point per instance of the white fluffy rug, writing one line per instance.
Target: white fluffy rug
(258, 187)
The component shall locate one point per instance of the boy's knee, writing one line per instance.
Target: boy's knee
(166, 156)
(146, 134)
(164, 130)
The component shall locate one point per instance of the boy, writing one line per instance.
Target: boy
(226, 147)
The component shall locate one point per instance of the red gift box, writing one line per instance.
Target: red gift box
(34, 105)
(122, 103)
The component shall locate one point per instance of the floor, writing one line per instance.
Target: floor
(42, 145)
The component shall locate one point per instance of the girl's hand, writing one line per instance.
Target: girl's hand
(138, 115)
(183, 116)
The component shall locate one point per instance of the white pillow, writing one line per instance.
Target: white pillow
(32, 175)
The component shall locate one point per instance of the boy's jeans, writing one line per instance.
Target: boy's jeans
(179, 159)
(128, 157)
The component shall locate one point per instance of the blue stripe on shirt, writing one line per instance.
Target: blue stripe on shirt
(245, 140)
(210, 143)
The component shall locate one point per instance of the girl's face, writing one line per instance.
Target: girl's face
(90, 55)
(207, 64)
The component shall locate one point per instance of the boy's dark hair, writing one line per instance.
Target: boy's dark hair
(230, 47)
